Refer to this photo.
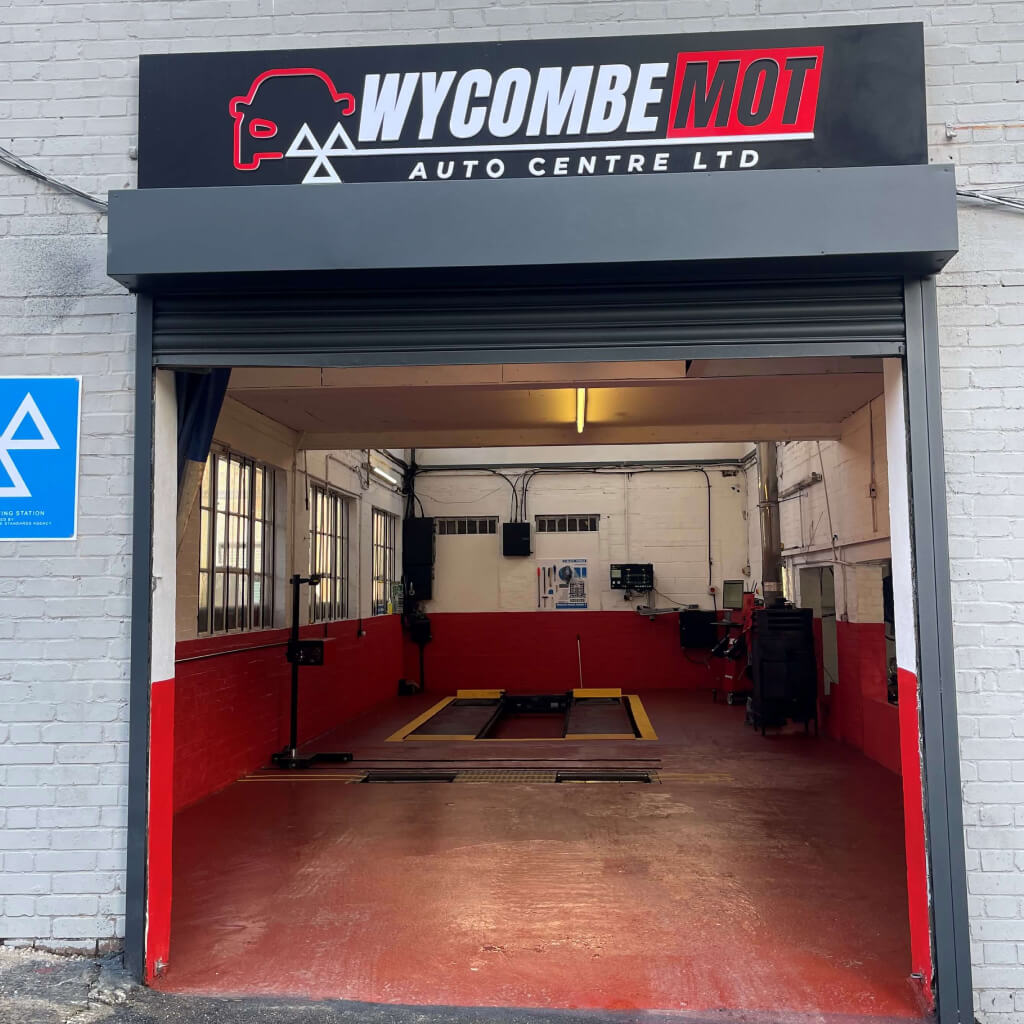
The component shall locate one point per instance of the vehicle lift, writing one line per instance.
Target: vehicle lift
(311, 654)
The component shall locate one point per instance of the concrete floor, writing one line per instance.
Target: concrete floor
(758, 875)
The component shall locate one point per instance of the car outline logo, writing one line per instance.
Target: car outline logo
(263, 129)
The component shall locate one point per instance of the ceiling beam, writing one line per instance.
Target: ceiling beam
(505, 375)
(566, 435)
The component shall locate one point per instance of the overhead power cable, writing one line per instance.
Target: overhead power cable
(990, 198)
(16, 163)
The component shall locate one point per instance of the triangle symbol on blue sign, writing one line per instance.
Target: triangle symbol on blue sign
(43, 439)
(28, 430)
(7, 479)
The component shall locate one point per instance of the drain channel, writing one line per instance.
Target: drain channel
(603, 776)
(509, 775)
(410, 776)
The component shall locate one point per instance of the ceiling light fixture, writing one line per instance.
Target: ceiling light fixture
(385, 475)
(581, 409)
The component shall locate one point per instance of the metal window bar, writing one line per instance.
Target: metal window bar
(451, 526)
(236, 557)
(328, 553)
(384, 533)
(568, 524)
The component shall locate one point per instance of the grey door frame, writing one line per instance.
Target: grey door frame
(929, 543)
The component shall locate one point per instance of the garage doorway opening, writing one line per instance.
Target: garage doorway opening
(760, 872)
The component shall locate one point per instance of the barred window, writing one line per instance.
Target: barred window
(328, 553)
(465, 525)
(385, 528)
(567, 524)
(236, 548)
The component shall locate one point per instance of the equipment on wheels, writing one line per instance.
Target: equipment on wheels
(311, 654)
(784, 669)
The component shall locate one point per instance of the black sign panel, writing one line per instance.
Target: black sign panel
(822, 97)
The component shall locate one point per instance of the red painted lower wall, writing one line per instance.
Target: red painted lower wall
(913, 824)
(858, 712)
(160, 827)
(231, 697)
(536, 651)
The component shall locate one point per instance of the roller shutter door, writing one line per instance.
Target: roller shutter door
(534, 324)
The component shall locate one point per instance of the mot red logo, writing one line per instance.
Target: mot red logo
(581, 119)
(740, 94)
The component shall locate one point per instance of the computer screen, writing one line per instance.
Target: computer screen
(732, 594)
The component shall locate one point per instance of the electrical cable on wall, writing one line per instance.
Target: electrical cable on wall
(24, 167)
(476, 499)
(305, 476)
(991, 199)
(612, 471)
(832, 533)
(514, 507)
(714, 600)
(520, 487)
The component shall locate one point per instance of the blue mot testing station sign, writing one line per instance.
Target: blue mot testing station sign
(39, 433)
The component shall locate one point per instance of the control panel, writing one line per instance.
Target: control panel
(637, 576)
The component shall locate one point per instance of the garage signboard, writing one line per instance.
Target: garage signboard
(714, 102)
(39, 440)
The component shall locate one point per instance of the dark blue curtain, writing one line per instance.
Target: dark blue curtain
(200, 397)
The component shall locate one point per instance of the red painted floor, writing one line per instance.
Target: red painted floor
(759, 875)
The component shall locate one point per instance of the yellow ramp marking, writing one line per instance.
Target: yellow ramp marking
(402, 733)
(600, 736)
(438, 736)
(479, 694)
(611, 691)
(644, 729)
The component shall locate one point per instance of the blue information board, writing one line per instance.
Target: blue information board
(39, 435)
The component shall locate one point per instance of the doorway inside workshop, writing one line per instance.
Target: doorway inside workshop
(606, 641)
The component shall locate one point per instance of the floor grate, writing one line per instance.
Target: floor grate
(527, 776)
(469, 776)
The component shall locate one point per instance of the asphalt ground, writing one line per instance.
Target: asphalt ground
(42, 988)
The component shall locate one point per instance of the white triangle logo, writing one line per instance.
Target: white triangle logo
(321, 170)
(44, 442)
(313, 148)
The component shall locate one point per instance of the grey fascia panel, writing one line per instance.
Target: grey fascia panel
(890, 212)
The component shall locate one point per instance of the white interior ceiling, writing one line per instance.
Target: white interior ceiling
(505, 405)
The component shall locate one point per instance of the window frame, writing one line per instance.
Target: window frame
(383, 559)
(459, 526)
(568, 523)
(329, 505)
(237, 543)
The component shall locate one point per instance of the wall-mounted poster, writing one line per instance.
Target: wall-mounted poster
(563, 584)
(39, 428)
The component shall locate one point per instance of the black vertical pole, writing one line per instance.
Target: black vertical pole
(293, 740)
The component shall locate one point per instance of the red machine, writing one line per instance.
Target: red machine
(731, 653)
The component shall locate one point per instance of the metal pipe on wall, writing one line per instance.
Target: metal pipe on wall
(768, 513)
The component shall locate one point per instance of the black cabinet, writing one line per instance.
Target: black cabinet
(784, 669)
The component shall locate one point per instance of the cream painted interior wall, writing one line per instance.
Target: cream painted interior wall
(658, 517)
(247, 432)
(860, 522)
(645, 516)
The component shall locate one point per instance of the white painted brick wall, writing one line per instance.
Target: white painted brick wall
(67, 102)
(667, 526)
